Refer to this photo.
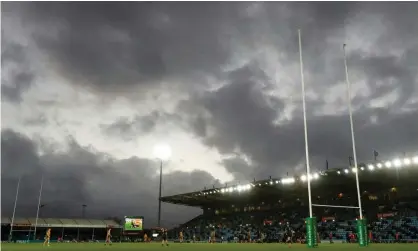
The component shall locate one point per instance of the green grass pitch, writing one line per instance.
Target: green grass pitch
(202, 247)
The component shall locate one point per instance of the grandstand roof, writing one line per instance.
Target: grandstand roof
(60, 222)
(374, 178)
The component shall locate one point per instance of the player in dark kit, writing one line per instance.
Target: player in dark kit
(164, 236)
(289, 235)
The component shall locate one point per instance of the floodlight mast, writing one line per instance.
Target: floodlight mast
(39, 207)
(161, 152)
(159, 193)
(14, 208)
(352, 132)
(308, 169)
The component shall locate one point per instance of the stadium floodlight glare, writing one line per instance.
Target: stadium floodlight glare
(379, 165)
(388, 164)
(371, 167)
(415, 160)
(397, 163)
(406, 161)
(288, 180)
(162, 151)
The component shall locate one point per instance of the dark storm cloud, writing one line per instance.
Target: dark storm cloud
(128, 127)
(237, 121)
(112, 46)
(238, 167)
(240, 117)
(16, 75)
(385, 74)
(109, 187)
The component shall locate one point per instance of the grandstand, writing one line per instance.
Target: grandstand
(389, 195)
(65, 229)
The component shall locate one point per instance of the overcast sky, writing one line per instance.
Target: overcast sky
(89, 88)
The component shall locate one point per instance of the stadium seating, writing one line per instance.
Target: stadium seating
(237, 226)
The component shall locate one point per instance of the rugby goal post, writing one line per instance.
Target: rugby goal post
(311, 225)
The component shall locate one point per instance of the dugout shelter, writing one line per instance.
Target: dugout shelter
(66, 229)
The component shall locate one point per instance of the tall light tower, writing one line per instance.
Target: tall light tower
(163, 153)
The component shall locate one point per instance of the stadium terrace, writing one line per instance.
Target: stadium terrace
(245, 212)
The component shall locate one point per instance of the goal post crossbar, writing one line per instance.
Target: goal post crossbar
(319, 205)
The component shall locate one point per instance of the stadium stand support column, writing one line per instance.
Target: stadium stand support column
(362, 233)
(311, 233)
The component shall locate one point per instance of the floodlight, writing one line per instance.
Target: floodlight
(362, 168)
(288, 180)
(271, 182)
(406, 161)
(162, 151)
(415, 160)
(397, 163)
(346, 170)
(239, 188)
(303, 177)
(371, 167)
(277, 182)
(338, 172)
(223, 190)
(248, 187)
(388, 164)
(354, 169)
(379, 165)
(316, 176)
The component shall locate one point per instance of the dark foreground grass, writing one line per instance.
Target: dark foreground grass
(202, 247)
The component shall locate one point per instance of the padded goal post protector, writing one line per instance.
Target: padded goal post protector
(311, 232)
(362, 233)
